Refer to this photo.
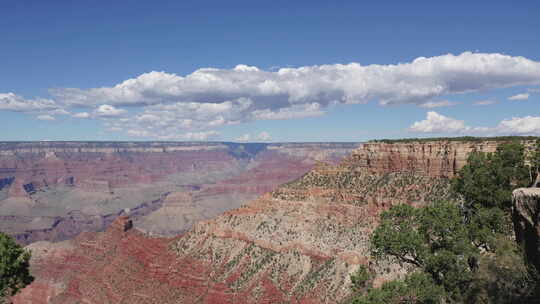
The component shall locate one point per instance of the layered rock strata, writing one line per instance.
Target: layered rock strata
(526, 215)
(55, 190)
(298, 244)
(432, 158)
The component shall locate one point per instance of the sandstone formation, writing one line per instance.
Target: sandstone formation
(433, 158)
(297, 244)
(55, 190)
(526, 214)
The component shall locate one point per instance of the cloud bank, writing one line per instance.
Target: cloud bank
(522, 96)
(165, 105)
(438, 123)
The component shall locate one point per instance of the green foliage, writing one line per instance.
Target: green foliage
(486, 184)
(463, 253)
(489, 178)
(14, 267)
(361, 279)
(432, 238)
(503, 276)
(534, 164)
(415, 288)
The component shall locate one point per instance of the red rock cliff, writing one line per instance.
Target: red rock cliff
(433, 158)
(298, 244)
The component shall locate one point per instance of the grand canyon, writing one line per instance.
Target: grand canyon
(54, 190)
(207, 239)
(246, 152)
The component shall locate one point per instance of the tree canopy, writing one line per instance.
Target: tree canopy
(14, 267)
(460, 251)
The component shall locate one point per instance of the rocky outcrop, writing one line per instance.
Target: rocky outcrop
(69, 187)
(298, 244)
(433, 158)
(526, 215)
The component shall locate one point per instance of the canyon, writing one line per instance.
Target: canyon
(298, 243)
(55, 190)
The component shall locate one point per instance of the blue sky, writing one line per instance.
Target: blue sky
(280, 70)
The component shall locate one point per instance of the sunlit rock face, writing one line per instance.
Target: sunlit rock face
(526, 214)
(297, 244)
(54, 190)
(431, 158)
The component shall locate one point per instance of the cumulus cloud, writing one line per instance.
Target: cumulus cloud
(81, 115)
(192, 136)
(294, 111)
(522, 96)
(199, 135)
(59, 112)
(243, 138)
(438, 104)
(167, 104)
(437, 123)
(528, 125)
(108, 111)
(484, 102)
(416, 82)
(45, 117)
(13, 102)
(264, 136)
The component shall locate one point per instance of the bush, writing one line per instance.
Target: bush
(14, 267)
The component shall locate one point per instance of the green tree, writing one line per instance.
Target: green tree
(361, 280)
(415, 288)
(14, 267)
(462, 252)
(489, 178)
(486, 184)
(434, 239)
(534, 164)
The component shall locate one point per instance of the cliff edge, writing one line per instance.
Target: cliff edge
(526, 214)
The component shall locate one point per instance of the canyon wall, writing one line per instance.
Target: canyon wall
(54, 190)
(526, 215)
(432, 158)
(297, 244)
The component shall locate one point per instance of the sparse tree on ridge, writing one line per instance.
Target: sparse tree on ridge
(14, 267)
(460, 252)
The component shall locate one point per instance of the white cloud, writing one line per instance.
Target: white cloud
(193, 136)
(81, 115)
(484, 102)
(168, 104)
(438, 104)
(108, 111)
(437, 123)
(45, 117)
(59, 112)
(264, 136)
(528, 125)
(294, 111)
(12, 102)
(243, 138)
(522, 96)
(199, 135)
(416, 82)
